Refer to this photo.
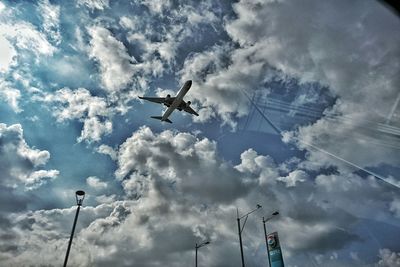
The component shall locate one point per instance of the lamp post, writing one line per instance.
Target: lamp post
(79, 195)
(199, 246)
(240, 228)
(265, 232)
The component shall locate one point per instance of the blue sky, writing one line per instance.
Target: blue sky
(325, 74)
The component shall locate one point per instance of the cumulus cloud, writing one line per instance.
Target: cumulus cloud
(94, 4)
(26, 37)
(294, 177)
(21, 174)
(20, 162)
(388, 258)
(218, 86)
(352, 57)
(96, 183)
(162, 52)
(79, 104)
(10, 95)
(360, 69)
(180, 159)
(107, 150)
(114, 60)
(53, 225)
(177, 187)
(94, 129)
(157, 163)
(6, 55)
(51, 20)
(395, 207)
(159, 6)
(16, 37)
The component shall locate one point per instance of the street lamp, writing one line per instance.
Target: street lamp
(199, 246)
(240, 229)
(79, 195)
(265, 232)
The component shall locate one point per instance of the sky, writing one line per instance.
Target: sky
(298, 104)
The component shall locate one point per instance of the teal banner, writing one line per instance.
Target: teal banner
(274, 250)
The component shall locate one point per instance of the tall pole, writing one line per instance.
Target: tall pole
(240, 228)
(79, 195)
(199, 246)
(196, 254)
(72, 235)
(240, 238)
(266, 242)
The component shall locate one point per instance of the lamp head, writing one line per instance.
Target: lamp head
(259, 206)
(275, 213)
(80, 195)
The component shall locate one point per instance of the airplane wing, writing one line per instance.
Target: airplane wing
(159, 100)
(188, 109)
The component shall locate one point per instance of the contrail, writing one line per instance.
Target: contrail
(279, 132)
(350, 163)
(308, 113)
(393, 109)
(316, 113)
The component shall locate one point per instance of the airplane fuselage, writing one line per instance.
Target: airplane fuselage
(177, 101)
(173, 103)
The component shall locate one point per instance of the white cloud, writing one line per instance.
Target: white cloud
(178, 188)
(2, 6)
(96, 183)
(94, 129)
(178, 158)
(107, 150)
(220, 86)
(93, 111)
(53, 225)
(254, 164)
(157, 6)
(19, 162)
(24, 36)
(389, 258)
(115, 63)
(360, 69)
(79, 102)
(7, 53)
(37, 178)
(94, 4)
(354, 58)
(10, 95)
(128, 23)
(158, 55)
(294, 177)
(395, 207)
(104, 199)
(51, 20)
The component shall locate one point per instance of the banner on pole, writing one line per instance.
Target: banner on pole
(274, 250)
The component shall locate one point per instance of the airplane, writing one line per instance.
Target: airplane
(173, 103)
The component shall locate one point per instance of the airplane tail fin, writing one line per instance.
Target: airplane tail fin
(160, 118)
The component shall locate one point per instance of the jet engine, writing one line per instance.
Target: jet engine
(168, 97)
(188, 104)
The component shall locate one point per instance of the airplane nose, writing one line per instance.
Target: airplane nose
(189, 82)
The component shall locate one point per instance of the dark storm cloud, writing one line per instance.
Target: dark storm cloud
(184, 162)
(177, 202)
